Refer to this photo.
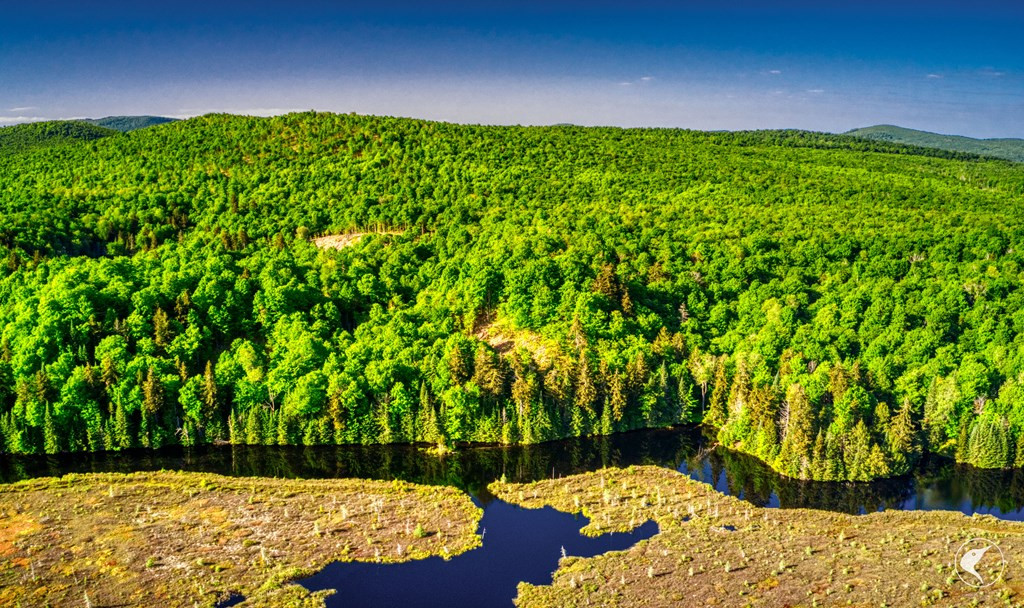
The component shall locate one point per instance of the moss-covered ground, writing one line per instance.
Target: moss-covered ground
(716, 550)
(184, 539)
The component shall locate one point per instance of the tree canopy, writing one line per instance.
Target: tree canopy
(831, 305)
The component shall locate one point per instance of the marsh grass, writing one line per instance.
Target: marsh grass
(186, 539)
(717, 550)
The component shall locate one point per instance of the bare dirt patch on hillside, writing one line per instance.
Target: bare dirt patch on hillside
(341, 241)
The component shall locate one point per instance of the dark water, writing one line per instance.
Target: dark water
(937, 484)
(525, 545)
(518, 545)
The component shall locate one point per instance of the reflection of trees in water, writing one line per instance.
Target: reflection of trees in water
(463, 468)
(960, 486)
(937, 483)
(756, 482)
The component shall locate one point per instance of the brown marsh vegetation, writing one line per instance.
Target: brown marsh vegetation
(716, 550)
(186, 539)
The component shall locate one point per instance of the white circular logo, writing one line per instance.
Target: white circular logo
(979, 562)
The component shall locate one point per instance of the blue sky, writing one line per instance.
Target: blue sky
(951, 67)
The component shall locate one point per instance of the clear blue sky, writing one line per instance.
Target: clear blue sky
(951, 67)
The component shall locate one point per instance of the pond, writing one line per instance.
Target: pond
(518, 545)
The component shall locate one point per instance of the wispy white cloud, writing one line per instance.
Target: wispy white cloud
(639, 81)
(992, 73)
(14, 120)
(22, 109)
(190, 112)
(775, 72)
(934, 76)
(816, 91)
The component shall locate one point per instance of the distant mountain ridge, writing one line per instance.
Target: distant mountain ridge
(38, 134)
(1005, 148)
(52, 132)
(128, 123)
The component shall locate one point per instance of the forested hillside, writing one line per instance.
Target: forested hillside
(1008, 148)
(832, 306)
(128, 123)
(37, 134)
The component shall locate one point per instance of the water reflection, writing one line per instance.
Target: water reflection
(936, 484)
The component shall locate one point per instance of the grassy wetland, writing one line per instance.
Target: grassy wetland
(717, 550)
(186, 539)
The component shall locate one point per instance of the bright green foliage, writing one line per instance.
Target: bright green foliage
(989, 444)
(510, 285)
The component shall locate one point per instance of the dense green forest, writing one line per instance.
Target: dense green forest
(39, 134)
(128, 123)
(831, 305)
(1007, 148)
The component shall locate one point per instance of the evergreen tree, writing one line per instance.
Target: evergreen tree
(688, 411)
(586, 389)
(161, 328)
(211, 407)
(1018, 444)
(145, 433)
(51, 442)
(458, 364)
(738, 391)
(109, 373)
(988, 446)
(122, 437)
(901, 437)
(152, 393)
(963, 438)
(95, 437)
(234, 428)
(486, 372)
(606, 283)
(607, 427)
(717, 414)
(617, 397)
(253, 427)
(337, 416)
(857, 453)
(877, 464)
(818, 467)
(835, 468)
(9, 442)
(798, 433)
